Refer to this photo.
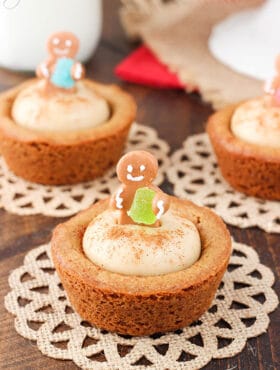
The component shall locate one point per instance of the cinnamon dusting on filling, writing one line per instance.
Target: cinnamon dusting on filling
(134, 235)
(137, 253)
(67, 101)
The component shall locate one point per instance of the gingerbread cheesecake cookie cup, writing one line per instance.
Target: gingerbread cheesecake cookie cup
(61, 128)
(246, 140)
(136, 276)
(67, 156)
(248, 167)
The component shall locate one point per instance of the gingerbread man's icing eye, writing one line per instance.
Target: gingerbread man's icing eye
(68, 43)
(55, 41)
(142, 168)
(129, 168)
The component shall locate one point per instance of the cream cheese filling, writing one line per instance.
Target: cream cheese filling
(142, 250)
(59, 111)
(258, 123)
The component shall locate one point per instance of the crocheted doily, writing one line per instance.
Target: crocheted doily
(238, 312)
(196, 176)
(26, 198)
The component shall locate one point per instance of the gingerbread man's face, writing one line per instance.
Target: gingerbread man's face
(138, 167)
(63, 44)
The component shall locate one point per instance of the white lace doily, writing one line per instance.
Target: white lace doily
(238, 312)
(26, 198)
(195, 175)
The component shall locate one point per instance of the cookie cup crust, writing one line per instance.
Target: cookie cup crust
(141, 305)
(61, 157)
(249, 168)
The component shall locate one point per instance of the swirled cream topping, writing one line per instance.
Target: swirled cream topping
(142, 250)
(60, 111)
(258, 123)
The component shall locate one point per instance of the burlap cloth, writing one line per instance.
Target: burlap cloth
(239, 311)
(177, 31)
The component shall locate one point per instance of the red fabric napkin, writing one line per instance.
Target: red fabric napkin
(144, 68)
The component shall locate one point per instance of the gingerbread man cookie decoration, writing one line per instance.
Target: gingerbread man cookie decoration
(137, 199)
(272, 87)
(60, 70)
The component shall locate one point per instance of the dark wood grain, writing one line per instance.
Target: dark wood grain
(175, 115)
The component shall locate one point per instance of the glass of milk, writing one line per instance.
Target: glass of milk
(26, 24)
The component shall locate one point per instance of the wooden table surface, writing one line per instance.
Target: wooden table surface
(175, 115)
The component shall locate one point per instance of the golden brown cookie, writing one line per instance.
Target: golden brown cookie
(249, 168)
(66, 157)
(141, 305)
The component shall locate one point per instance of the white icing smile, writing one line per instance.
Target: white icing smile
(134, 178)
(61, 51)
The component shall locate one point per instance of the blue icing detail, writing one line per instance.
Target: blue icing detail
(61, 76)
